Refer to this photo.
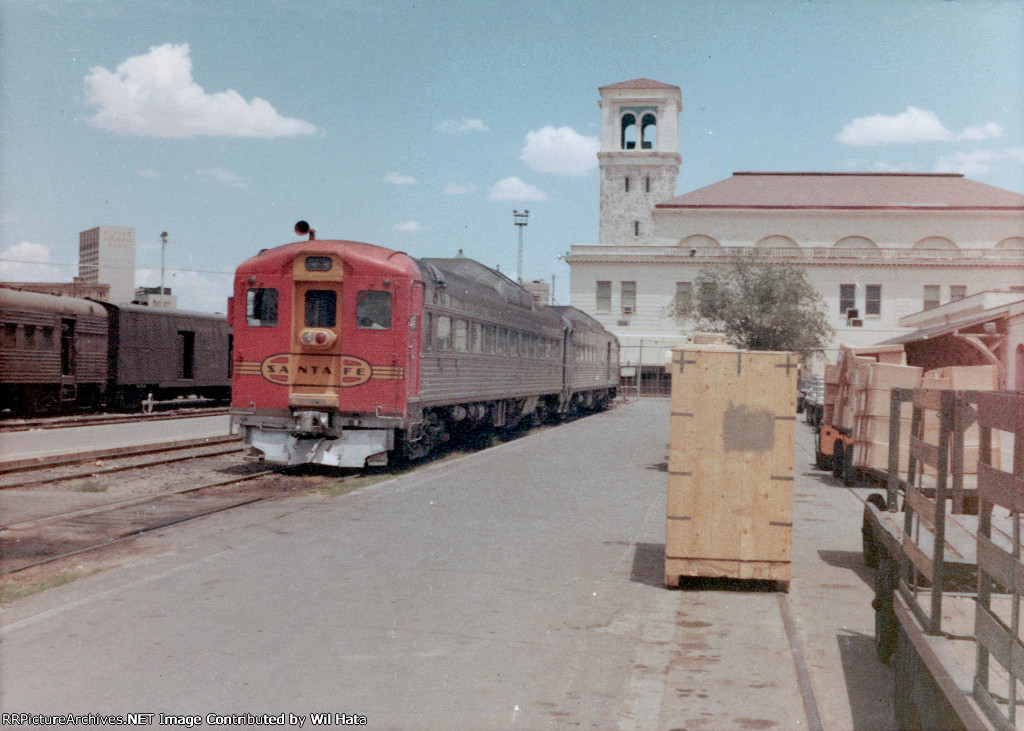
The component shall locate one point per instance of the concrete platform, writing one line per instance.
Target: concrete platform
(521, 587)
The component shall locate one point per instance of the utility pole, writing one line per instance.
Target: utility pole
(520, 220)
(163, 249)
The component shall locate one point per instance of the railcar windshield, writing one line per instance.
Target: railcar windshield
(261, 307)
(373, 310)
(321, 308)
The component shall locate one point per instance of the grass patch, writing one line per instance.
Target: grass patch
(90, 486)
(12, 590)
(351, 484)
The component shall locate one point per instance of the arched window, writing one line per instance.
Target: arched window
(628, 132)
(855, 242)
(935, 242)
(648, 132)
(1014, 242)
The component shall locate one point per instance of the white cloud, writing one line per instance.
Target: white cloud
(399, 179)
(464, 125)
(408, 227)
(222, 176)
(29, 262)
(154, 95)
(151, 174)
(977, 162)
(913, 125)
(560, 150)
(456, 189)
(1016, 153)
(514, 189)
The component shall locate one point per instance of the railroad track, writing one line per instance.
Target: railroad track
(64, 422)
(39, 541)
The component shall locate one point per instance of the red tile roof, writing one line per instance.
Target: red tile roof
(639, 84)
(892, 191)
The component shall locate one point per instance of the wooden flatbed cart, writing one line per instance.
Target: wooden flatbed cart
(949, 572)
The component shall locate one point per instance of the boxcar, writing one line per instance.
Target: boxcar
(167, 353)
(53, 352)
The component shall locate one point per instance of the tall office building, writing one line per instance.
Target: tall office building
(106, 254)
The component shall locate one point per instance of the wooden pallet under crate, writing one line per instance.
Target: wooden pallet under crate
(730, 484)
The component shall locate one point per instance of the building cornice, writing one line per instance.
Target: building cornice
(806, 257)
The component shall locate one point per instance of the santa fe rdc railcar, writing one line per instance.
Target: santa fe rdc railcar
(346, 353)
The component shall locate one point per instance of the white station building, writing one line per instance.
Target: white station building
(884, 244)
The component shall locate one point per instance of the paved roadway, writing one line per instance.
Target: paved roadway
(519, 587)
(37, 443)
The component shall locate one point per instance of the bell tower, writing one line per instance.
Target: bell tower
(639, 157)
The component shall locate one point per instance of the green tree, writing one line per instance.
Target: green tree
(758, 305)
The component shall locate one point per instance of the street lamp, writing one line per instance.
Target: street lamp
(163, 248)
(520, 220)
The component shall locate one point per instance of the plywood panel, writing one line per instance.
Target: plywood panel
(731, 464)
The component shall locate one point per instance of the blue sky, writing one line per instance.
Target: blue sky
(422, 125)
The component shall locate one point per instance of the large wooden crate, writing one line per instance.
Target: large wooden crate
(730, 485)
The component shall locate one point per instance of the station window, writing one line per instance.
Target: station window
(847, 297)
(684, 298)
(444, 333)
(604, 297)
(373, 309)
(932, 295)
(957, 292)
(873, 299)
(261, 307)
(321, 308)
(627, 183)
(628, 295)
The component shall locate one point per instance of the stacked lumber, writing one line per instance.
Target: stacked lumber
(731, 449)
(961, 378)
(872, 413)
(857, 397)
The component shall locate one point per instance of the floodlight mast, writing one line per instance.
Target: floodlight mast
(520, 220)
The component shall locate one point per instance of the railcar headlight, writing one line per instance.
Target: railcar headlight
(316, 338)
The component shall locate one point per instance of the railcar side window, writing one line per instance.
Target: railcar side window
(459, 336)
(321, 308)
(47, 337)
(502, 341)
(476, 338)
(9, 335)
(444, 333)
(428, 333)
(261, 307)
(30, 336)
(373, 309)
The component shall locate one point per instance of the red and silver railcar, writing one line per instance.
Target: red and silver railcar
(346, 352)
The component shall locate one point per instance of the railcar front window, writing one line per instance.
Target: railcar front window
(373, 310)
(261, 307)
(321, 308)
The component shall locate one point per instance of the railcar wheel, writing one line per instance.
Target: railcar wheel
(821, 460)
(849, 471)
(873, 551)
(837, 459)
(886, 624)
